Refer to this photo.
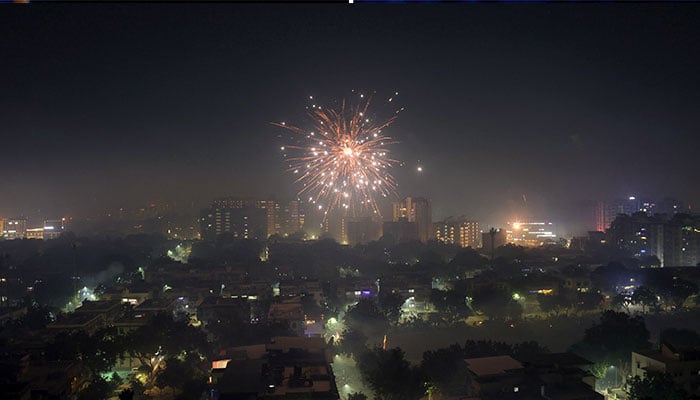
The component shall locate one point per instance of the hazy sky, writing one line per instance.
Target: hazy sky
(108, 105)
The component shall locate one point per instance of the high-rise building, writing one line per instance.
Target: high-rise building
(607, 211)
(15, 228)
(53, 228)
(291, 217)
(493, 239)
(682, 241)
(241, 218)
(271, 208)
(639, 233)
(675, 241)
(459, 231)
(418, 210)
(249, 218)
(531, 234)
(401, 230)
(363, 230)
(670, 207)
(334, 225)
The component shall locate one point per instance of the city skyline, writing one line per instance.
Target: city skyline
(563, 106)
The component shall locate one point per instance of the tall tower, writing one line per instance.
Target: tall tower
(419, 211)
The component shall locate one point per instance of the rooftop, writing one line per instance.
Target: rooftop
(497, 365)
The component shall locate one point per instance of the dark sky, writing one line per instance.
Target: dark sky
(117, 105)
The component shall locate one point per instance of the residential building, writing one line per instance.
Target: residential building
(15, 228)
(417, 210)
(681, 362)
(459, 231)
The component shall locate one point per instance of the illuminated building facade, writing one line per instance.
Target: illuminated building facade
(35, 233)
(607, 211)
(638, 233)
(53, 228)
(240, 218)
(291, 217)
(531, 234)
(675, 242)
(417, 210)
(459, 231)
(15, 228)
(249, 218)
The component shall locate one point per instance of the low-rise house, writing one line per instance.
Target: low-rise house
(290, 311)
(285, 368)
(682, 362)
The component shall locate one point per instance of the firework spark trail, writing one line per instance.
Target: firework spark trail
(342, 161)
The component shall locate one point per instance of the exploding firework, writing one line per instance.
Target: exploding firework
(342, 160)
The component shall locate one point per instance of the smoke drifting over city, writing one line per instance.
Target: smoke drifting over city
(349, 201)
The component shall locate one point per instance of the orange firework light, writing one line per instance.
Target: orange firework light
(343, 160)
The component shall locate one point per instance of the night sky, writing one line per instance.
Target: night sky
(116, 105)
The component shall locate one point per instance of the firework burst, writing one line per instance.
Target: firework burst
(342, 161)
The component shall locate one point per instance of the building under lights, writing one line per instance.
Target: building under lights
(459, 231)
(417, 210)
(14, 228)
(531, 234)
(675, 241)
(240, 218)
(607, 211)
(247, 218)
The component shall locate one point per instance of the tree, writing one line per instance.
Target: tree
(645, 297)
(655, 386)
(613, 339)
(446, 370)
(607, 276)
(620, 301)
(557, 302)
(528, 350)
(497, 304)
(37, 317)
(126, 394)
(390, 376)
(467, 260)
(357, 396)
(366, 314)
(451, 303)
(97, 352)
(488, 348)
(390, 303)
(184, 375)
(588, 300)
(162, 338)
(352, 342)
(98, 389)
(672, 289)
